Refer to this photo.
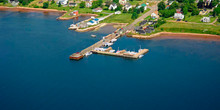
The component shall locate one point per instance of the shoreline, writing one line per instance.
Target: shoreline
(28, 9)
(68, 18)
(171, 35)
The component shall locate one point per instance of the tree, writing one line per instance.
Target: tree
(59, 4)
(161, 6)
(218, 18)
(82, 4)
(195, 11)
(45, 4)
(116, 1)
(119, 7)
(185, 10)
(124, 10)
(180, 1)
(167, 13)
(5, 1)
(134, 15)
(201, 4)
(52, 2)
(213, 3)
(174, 5)
(192, 6)
(191, 1)
(216, 11)
(142, 9)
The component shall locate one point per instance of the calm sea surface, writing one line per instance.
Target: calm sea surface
(36, 74)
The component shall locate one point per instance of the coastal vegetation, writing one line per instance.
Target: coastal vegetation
(189, 28)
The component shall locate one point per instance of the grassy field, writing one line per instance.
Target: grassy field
(122, 18)
(190, 28)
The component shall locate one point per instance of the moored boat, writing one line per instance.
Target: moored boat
(93, 35)
(75, 56)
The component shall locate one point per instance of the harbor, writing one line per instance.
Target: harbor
(107, 41)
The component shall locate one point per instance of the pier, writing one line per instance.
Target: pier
(108, 38)
(123, 54)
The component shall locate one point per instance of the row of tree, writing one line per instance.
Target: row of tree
(185, 5)
(4, 1)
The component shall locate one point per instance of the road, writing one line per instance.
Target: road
(141, 18)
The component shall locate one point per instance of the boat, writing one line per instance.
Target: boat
(88, 53)
(76, 56)
(140, 56)
(73, 26)
(93, 35)
(108, 44)
(113, 40)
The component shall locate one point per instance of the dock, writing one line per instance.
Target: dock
(136, 56)
(108, 38)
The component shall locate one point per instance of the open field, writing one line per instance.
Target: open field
(190, 28)
(122, 18)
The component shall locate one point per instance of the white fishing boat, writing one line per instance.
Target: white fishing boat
(88, 53)
(93, 35)
(111, 51)
(113, 40)
(73, 26)
(108, 44)
(140, 56)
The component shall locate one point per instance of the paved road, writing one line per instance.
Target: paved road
(141, 18)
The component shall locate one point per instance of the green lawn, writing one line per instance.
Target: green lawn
(191, 28)
(121, 18)
(197, 18)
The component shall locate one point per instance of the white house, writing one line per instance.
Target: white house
(97, 9)
(205, 19)
(178, 16)
(62, 2)
(155, 15)
(113, 6)
(123, 1)
(88, 4)
(128, 6)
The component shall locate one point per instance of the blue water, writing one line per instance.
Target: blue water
(36, 74)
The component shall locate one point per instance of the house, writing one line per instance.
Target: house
(123, 2)
(178, 11)
(62, 2)
(97, 9)
(127, 6)
(74, 13)
(14, 2)
(72, 4)
(88, 4)
(147, 3)
(155, 15)
(118, 12)
(205, 19)
(144, 5)
(112, 6)
(178, 16)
